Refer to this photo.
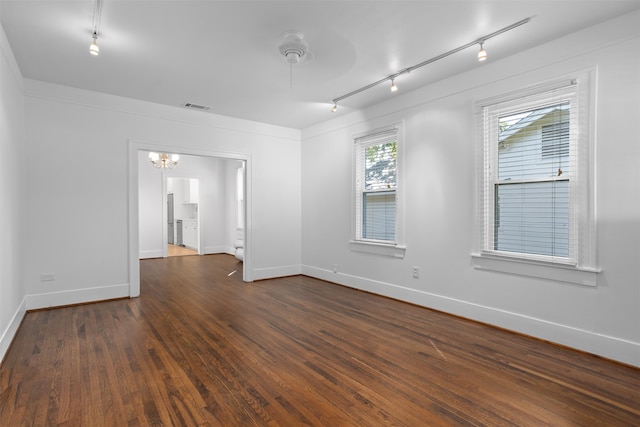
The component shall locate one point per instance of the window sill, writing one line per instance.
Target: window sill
(390, 250)
(539, 269)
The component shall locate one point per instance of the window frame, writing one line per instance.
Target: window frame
(579, 267)
(357, 243)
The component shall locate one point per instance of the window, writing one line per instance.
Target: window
(376, 163)
(536, 194)
(531, 191)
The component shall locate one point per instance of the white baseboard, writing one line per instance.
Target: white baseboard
(602, 345)
(211, 250)
(12, 328)
(76, 296)
(270, 273)
(208, 250)
(150, 254)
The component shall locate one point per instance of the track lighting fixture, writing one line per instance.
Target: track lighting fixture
(97, 11)
(482, 55)
(94, 49)
(334, 108)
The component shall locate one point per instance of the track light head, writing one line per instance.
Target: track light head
(482, 54)
(94, 49)
(394, 88)
(335, 107)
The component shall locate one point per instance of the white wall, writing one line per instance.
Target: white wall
(213, 211)
(78, 146)
(150, 206)
(440, 145)
(12, 187)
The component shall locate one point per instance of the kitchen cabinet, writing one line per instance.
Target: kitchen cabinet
(187, 191)
(190, 233)
(194, 191)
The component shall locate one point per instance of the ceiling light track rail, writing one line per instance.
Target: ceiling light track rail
(479, 41)
(97, 14)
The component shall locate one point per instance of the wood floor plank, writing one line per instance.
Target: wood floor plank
(201, 347)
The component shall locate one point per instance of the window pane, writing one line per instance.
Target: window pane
(534, 144)
(533, 218)
(379, 215)
(380, 166)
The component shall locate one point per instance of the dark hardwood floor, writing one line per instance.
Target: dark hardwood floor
(200, 347)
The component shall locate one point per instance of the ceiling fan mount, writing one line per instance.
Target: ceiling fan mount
(293, 48)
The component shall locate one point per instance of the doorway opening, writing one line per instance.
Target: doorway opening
(211, 243)
(182, 216)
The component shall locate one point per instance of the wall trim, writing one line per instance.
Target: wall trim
(213, 250)
(532, 268)
(273, 272)
(10, 332)
(76, 296)
(613, 348)
(208, 250)
(151, 254)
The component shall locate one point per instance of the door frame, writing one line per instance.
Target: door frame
(134, 147)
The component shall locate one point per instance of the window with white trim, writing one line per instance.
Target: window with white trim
(535, 176)
(376, 163)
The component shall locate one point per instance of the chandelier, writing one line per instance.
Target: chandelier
(164, 160)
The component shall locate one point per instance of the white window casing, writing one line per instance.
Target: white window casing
(378, 212)
(536, 210)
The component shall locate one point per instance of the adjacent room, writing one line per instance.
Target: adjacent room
(320, 212)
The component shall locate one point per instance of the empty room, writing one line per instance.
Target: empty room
(316, 212)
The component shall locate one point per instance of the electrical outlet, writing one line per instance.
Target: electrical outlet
(335, 268)
(48, 277)
(416, 272)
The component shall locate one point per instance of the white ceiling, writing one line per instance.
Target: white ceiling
(224, 54)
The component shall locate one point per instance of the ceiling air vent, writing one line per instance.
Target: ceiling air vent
(195, 106)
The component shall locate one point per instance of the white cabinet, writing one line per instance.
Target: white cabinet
(194, 191)
(186, 190)
(190, 233)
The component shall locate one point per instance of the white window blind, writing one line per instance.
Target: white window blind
(530, 176)
(555, 140)
(375, 195)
